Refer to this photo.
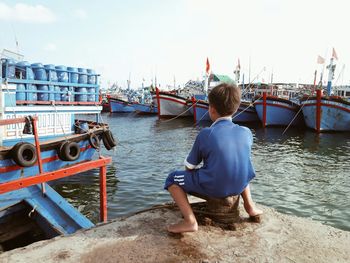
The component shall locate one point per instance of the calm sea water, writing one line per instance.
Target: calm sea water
(299, 172)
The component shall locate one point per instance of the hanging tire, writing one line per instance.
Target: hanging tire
(106, 144)
(108, 140)
(94, 141)
(24, 154)
(69, 151)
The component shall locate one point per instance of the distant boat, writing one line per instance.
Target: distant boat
(145, 109)
(245, 113)
(170, 104)
(275, 111)
(120, 105)
(199, 109)
(328, 113)
(278, 106)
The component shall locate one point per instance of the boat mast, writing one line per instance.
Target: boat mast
(237, 72)
(331, 69)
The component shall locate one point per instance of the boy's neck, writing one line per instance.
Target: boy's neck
(219, 118)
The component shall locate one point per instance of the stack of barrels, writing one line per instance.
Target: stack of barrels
(61, 83)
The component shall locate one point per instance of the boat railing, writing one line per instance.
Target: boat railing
(44, 177)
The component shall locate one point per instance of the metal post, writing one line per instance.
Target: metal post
(194, 109)
(37, 146)
(158, 102)
(318, 110)
(264, 109)
(103, 194)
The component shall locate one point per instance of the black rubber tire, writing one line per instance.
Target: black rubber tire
(69, 151)
(24, 154)
(108, 139)
(94, 141)
(106, 144)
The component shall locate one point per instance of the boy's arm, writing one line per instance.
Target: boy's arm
(194, 158)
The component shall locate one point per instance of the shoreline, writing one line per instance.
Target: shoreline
(142, 237)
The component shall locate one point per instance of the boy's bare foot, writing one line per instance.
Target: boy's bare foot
(183, 226)
(252, 210)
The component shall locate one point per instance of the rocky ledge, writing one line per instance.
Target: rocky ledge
(142, 237)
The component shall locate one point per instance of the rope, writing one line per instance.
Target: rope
(250, 104)
(32, 211)
(295, 116)
(64, 134)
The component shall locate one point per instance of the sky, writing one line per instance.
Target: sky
(172, 39)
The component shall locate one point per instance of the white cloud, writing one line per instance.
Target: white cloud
(50, 47)
(80, 13)
(26, 13)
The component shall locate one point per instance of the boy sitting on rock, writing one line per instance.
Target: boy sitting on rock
(225, 150)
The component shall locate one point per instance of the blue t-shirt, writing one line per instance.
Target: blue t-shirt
(225, 150)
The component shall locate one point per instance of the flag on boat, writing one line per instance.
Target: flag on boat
(207, 68)
(320, 60)
(334, 54)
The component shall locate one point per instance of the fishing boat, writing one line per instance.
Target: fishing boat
(41, 140)
(276, 106)
(328, 113)
(145, 105)
(170, 104)
(199, 105)
(245, 113)
(119, 104)
(145, 108)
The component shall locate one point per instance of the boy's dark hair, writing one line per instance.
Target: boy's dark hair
(225, 98)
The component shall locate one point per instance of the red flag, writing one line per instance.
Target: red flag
(320, 60)
(334, 55)
(207, 68)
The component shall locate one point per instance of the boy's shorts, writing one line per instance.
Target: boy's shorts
(187, 180)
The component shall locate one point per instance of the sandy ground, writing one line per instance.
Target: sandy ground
(143, 238)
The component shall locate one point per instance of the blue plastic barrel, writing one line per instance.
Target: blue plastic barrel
(43, 96)
(64, 95)
(73, 75)
(20, 94)
(51, 72)
(39, 71)
(82, 96)
(57, 91)
(91, 76)
(51, 94)
(62, 74)
(24, 71)
(91, 95)
(31, 94)
(8, 68)
(82, 75)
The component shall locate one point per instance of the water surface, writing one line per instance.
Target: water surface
(298, 172)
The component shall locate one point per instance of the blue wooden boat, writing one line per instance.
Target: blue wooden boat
(199, 110)
(40, 141)
(327, 113)
(245, 113)
(145, 109)
(120, 105)
(275, 111)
